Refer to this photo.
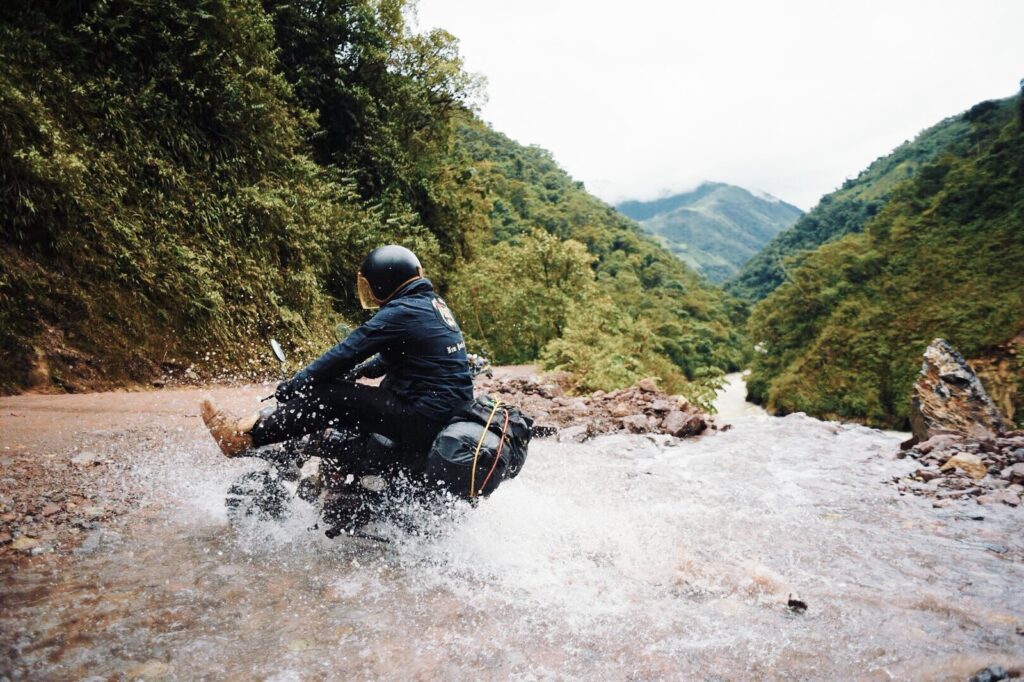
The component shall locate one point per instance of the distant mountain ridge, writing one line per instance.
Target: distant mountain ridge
(715, 228)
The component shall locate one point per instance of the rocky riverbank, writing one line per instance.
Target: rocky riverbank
(639, 409)
(960, 437)
(954, 467)
(55, 503)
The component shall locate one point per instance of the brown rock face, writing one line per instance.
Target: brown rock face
(949, 398)
(1001, 370)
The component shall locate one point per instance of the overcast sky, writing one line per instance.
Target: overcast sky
(640, 99)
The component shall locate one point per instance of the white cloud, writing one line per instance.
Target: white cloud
(789, 97)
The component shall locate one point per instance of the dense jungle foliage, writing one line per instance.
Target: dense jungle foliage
(184, 178)
(944, 257)
(848, 209)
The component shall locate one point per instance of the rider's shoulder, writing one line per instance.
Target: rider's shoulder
(398, 309)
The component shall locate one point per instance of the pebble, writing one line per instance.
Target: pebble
(25, 543)
(1003, 496)
(993, 673)
(86, 458)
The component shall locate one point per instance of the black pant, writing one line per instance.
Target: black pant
(345, 405)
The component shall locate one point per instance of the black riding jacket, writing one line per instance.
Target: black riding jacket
(421, 345)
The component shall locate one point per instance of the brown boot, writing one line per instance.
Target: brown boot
(231, 434)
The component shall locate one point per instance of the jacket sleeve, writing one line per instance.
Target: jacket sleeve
(374, 368)
(381, 330)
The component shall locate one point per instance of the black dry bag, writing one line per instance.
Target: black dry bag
(488, 432)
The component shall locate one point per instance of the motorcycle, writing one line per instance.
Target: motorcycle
(317, 469)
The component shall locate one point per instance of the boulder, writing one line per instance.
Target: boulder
(1015, 473)
(637, 423)
(972, 465)
(949, 398)
(679, 424)
(648, 385)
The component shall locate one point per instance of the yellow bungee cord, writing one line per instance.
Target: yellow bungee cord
(476, 454)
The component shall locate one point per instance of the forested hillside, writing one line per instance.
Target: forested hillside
(564, 276)
(714, 229)
(183, 179)
(848, 209)
(944, 257)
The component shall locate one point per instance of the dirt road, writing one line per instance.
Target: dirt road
(60, 456)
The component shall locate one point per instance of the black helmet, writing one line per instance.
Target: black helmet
(384, 272)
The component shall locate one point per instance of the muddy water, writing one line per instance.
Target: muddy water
(623, 558)
(732, 399)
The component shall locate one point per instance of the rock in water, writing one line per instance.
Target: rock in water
(681, 424)
(949, 398)
(993, 673)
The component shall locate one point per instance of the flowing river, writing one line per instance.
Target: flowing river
(624, 558)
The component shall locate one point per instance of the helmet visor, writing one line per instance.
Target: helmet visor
(366, 297)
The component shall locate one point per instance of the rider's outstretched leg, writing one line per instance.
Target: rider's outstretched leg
(344, 405)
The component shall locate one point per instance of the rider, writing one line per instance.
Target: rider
(421, 351)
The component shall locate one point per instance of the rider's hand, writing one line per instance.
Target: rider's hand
(289, 389)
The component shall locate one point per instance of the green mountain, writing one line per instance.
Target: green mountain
(185, 178)
(714, 229)
(564, 277)
(944, 257)
(849, 208)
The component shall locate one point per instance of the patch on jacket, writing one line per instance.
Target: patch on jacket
(441, 308)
